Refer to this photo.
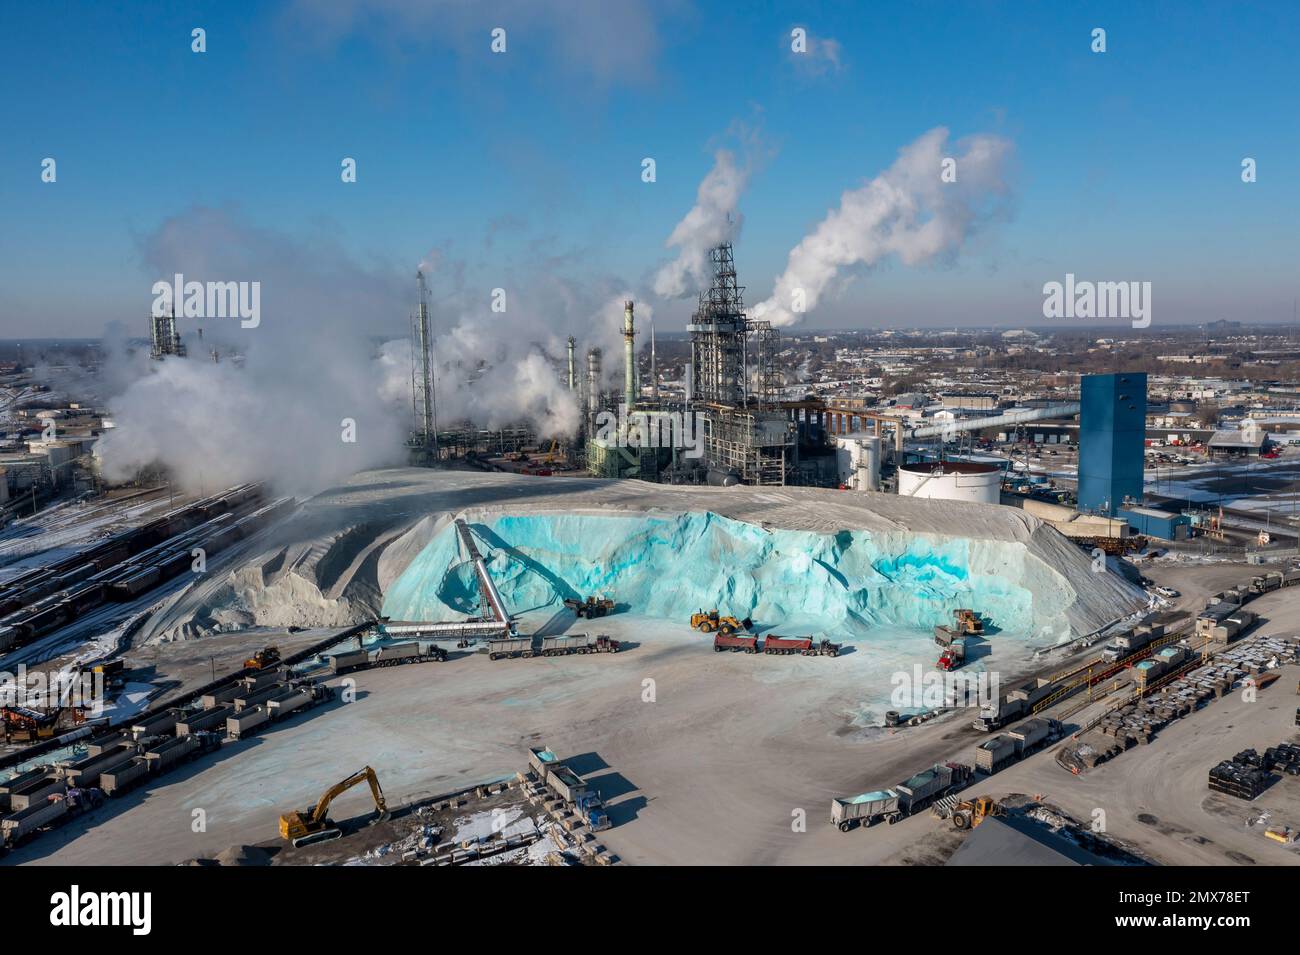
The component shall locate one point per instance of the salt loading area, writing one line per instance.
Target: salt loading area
(875, 572)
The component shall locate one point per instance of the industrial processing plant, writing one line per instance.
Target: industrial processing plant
(517, 459)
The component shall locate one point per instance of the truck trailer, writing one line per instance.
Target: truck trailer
(559, 646)
(510, 647)
(120, 777)
(728, 641)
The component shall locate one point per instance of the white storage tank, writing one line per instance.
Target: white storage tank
(952, 481)
(858, 461)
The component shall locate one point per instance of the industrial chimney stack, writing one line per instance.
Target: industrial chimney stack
(629, 357)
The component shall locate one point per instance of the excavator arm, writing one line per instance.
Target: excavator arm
(321, 812)
(313, 825)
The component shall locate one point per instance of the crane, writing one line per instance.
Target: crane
(313, 824)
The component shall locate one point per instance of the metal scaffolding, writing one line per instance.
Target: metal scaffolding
(745, 432)
(718, 331)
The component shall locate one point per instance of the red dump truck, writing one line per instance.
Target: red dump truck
(805, 646)
(728, 641)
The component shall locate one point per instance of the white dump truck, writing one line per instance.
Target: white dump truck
(909, 796)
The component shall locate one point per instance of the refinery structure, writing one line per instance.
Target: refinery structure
(947, 586)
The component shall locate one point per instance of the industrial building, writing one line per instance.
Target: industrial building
(1151, 522)
(1112, 435)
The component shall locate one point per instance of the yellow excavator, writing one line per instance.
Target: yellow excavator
(313, 823)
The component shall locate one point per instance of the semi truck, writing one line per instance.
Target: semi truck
(904, 799)
(998, 713)
(570, 787)
(953, 655)
(1265, 583)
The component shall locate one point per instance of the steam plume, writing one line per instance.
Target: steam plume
(907, 211)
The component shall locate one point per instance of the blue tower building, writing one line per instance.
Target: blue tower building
(1112, 439)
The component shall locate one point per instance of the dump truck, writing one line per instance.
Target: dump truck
(34, 789)
(510, 647)
(16, 827)
(590, 608)
(726, 641)
(953, 655)
(1266, 582)
(909, 796)
(263, 658)
(559, 646)
(708, 622)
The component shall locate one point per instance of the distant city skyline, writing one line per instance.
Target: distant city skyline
(524, 169)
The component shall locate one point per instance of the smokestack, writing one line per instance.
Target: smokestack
(629, 357)
(571, 380)
(654, 375)
(593, 388)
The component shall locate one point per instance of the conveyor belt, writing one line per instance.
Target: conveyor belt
(488, 592)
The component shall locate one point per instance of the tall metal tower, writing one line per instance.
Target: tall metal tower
(424, 437)
(717, 331)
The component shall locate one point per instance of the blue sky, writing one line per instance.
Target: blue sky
(1127, 163)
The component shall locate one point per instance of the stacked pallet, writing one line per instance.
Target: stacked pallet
(1284, 757)
(1238, 780)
